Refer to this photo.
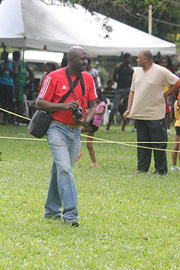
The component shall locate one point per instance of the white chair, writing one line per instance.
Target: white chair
(116, 117)
(27, 103)
(107, 112)
(26, 107)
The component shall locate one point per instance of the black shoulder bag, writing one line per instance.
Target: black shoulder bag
(41, 120)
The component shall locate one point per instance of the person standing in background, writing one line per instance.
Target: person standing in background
(92, 71)
(122, 75)
(7, 72)
(20, 80)
(93, 127)
(176, 155)
(146, 104)
(109, 91)
(165, 61)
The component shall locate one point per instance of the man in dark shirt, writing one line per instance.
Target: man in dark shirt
(123, 76)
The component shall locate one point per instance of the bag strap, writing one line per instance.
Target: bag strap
(82, 83)
(72, 86)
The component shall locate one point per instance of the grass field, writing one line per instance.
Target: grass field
(126, 221)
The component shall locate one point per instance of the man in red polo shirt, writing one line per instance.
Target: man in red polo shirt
(178, 102)
(63, 135)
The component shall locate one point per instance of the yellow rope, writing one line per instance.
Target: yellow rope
(15, 114)
(20, 138)
(123, 142)
(137, 146)
(111, 142)
(96, 138)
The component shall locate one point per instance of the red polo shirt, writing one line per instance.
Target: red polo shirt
(55, 86)
(178, 95)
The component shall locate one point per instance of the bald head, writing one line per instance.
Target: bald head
(145, 59)
(147, 54)
(77, 60)
(75, 51)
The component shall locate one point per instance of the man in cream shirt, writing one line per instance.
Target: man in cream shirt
(146, 104)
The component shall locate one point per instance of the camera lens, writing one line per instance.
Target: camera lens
(78, 113)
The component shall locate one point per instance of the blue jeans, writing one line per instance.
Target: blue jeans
(65, 146)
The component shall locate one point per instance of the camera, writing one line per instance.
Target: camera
(78, 113)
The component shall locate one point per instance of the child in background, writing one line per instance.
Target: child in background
(177, 143)
(94, 126)
(165, 61)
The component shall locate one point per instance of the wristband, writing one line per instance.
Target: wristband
(87, 123)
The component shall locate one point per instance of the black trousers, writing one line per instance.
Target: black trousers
(152, 131)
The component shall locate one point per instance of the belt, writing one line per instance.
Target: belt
(67, 125)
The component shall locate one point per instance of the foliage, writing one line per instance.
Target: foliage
(126, 222)
(66, 1)
(135, 13)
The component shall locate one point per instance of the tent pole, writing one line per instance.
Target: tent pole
(22, 50)
(150, 20)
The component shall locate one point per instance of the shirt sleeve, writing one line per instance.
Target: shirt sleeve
(103, 104)
(169, 78)
(47, 89)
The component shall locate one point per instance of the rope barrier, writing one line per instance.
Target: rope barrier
(105, 141)
(132, 145)
(126, 142)
(20, 138)
(20, 116)
(99, 140)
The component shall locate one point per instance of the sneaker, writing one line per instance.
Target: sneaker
(94, 164)
(22, 124)
(168, 131)
(107, 129)
(173, 169)
(72, 221)
(79, 156)
(159, 173)
(58, 217)
(136, 172)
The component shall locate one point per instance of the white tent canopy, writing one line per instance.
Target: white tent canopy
(35, 24)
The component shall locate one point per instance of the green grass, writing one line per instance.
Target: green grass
(126, 222)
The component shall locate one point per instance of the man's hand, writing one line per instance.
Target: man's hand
(165, 95)
(80, 122)
(125, 114)
(70, 106)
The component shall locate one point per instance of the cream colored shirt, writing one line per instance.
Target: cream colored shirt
(148, 87)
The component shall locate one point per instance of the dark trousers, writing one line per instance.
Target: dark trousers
(6, 99)
(152, 131)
